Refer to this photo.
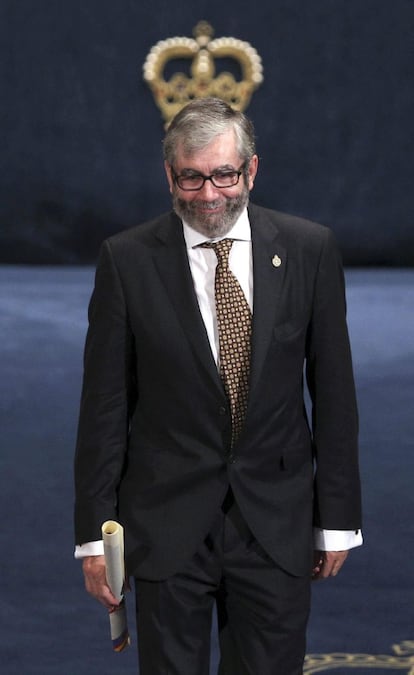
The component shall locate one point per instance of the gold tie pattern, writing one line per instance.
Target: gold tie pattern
(234, 321)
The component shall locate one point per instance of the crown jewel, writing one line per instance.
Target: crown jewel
(172, 95)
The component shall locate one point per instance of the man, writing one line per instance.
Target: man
(193, 431)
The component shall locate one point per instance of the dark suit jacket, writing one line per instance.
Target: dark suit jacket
(154, 433)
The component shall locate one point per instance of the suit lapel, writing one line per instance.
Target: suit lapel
(269, 269)
(173, 267)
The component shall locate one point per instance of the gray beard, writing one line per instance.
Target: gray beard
(216, 225)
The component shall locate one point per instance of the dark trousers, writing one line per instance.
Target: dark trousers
(262, 611)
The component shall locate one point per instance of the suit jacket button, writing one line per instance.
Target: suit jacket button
(222, 410)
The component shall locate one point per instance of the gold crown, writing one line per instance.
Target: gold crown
(172, 95)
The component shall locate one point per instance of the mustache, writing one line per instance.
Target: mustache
(199, 203)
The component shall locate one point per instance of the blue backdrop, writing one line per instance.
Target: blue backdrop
(82, 153)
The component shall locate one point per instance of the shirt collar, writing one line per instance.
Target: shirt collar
(240, 231)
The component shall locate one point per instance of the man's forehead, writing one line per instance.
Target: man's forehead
(215, 154)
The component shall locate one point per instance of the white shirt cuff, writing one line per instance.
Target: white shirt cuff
(324, 540)
(336, 540)
(90, 548)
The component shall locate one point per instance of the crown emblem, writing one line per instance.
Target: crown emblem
(402, 660)
(173, 94)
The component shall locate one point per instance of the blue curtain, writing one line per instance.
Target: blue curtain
(82, 155)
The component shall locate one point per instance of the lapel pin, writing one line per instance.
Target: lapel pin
(276, 261)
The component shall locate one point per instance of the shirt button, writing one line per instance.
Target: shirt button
(231, 458)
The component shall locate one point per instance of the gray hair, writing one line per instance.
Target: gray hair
(199, 122)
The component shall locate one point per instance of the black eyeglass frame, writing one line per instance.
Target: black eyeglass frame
(237, 173)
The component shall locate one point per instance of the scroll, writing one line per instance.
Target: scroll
(113, 541)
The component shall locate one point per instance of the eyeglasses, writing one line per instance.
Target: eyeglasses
(195, 181)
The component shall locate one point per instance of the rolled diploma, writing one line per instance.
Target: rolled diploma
(113, 541)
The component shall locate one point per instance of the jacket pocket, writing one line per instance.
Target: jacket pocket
(289, 330)
(295, 458)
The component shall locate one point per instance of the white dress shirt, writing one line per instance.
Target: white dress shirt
(203, 263)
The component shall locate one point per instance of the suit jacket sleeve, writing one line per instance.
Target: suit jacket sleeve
(334, 409)
(108, 395)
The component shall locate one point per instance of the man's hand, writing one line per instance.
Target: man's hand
(327, 563)
(96, 583)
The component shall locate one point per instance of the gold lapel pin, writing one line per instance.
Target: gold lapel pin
(276, 261)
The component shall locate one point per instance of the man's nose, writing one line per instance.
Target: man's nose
(209, 191)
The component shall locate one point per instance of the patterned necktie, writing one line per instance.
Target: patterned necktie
(234, 321)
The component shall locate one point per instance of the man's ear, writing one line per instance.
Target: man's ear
(252, 171)
(168, 172)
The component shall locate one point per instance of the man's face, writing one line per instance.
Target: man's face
(211, 210)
